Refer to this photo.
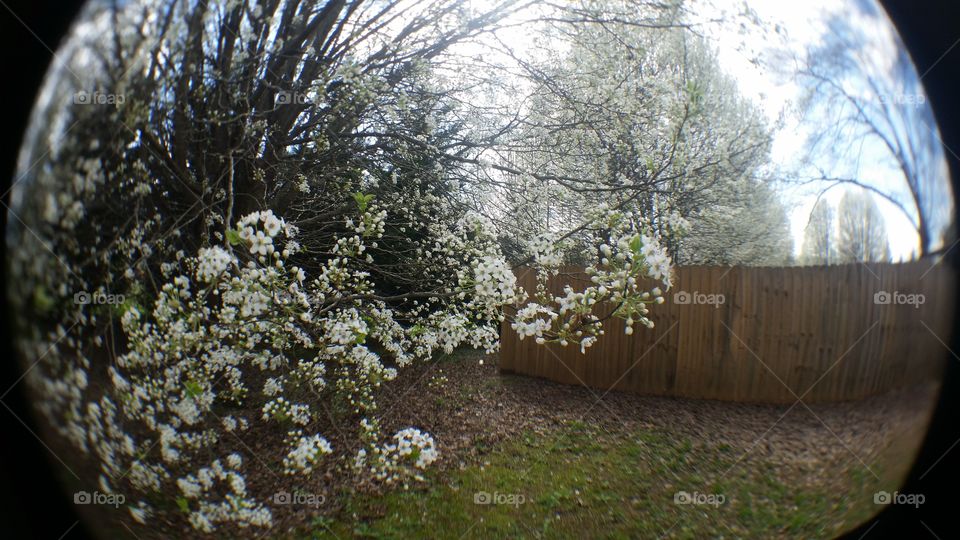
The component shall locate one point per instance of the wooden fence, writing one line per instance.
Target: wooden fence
(820, 333)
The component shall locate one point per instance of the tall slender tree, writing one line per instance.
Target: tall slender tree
(863, 232)
(819, 236)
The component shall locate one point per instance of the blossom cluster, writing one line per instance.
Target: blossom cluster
(631, 257)
(399, 459)
(205, 510)
(306, 452)
(239, 326)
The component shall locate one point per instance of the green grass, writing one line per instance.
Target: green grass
(577, 481)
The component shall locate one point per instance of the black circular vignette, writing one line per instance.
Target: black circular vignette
(32, 501)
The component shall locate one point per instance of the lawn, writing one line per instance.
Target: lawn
(616, 475)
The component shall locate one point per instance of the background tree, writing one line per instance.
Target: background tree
(664, 133)
(878, 111)
(747, 224)
(819, 236)
(862, 230)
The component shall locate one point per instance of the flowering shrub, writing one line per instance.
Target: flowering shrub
(242, 331)
(238, 325)
(239, 309)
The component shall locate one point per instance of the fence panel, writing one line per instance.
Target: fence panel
(821, 333)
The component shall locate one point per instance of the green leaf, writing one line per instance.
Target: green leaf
(635, 245)
(193, 388)
(233, 236)
(183, 505)
(42, 301)
(121, 309)
(362, 200)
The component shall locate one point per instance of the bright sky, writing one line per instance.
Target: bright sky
(802, 24)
